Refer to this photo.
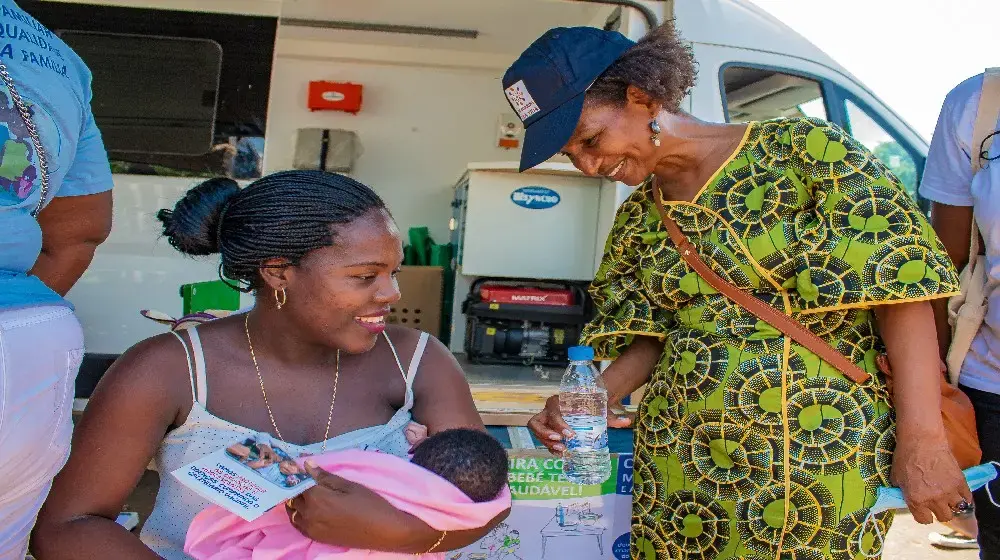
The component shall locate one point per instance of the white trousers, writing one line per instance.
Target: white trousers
(40, 353)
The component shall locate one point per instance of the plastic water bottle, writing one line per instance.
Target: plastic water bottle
(583, 402)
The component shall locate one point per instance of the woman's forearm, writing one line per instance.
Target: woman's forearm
(633, 368)
(344, 513)
(413, 536)
(87, 538)
(953, 225)
(910, 339)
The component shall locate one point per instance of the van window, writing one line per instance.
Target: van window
(130, 106)
(756, 94)
(884, 145)
(216, 66)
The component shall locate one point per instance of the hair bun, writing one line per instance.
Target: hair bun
(192, 227)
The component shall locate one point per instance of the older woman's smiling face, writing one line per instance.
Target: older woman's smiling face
(614, 142)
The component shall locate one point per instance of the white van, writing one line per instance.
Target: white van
(193, 88)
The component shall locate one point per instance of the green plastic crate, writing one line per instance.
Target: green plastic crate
(216, 294)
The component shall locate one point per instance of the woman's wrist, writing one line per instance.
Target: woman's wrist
(409, 535)
(633, 368)
(919, 427)
(437, 545)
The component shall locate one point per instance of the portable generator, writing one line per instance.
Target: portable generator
(524, 322)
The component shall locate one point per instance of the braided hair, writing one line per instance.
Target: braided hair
(283, 215)
(660, 64)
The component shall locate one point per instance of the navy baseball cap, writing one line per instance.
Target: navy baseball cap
(546, 85)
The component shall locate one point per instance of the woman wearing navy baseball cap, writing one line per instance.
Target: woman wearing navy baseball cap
(746, 444)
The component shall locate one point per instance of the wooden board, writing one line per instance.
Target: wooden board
(509, 405)
(515, 405)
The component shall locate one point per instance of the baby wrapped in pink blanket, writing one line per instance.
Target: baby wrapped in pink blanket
(457, 480)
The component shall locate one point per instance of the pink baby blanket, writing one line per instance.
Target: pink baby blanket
(216, 534)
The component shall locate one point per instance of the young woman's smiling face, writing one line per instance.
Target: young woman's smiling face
(341, 294)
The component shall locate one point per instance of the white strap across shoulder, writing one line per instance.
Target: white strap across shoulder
(395, 355)
(411, 373)
(985, 124)
(417, 355)
(187, 355)
(199, 365)
(196, 365)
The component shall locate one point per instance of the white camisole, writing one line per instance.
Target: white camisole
(202, 433)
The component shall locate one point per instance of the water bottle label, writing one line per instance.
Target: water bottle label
(602, 440)
(589, 438)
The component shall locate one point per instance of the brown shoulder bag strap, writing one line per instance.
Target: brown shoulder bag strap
(768, 314)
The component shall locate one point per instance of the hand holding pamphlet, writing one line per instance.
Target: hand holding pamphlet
(249, 477)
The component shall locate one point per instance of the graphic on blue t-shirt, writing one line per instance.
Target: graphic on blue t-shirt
(17, 154)
(24, 42)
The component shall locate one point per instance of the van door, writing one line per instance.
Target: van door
(736, 85)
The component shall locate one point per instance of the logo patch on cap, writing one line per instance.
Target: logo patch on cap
(521, 100)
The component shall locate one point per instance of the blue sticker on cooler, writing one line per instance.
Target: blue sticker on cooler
(535, 198)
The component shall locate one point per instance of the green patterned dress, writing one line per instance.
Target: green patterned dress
(746, 444)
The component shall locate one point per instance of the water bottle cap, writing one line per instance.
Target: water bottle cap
(581, 354)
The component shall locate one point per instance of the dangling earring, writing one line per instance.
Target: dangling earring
(280, 298)
(655, 127)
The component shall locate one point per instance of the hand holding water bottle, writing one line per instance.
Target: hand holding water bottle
(631, 370)
(550, 428)
(574, 423)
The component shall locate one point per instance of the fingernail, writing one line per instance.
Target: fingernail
(555, 437)
(311, 464)
(558, 448)
(568, 433)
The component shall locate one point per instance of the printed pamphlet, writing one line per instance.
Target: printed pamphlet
(248, 477)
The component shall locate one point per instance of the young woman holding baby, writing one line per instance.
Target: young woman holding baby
(313, 364)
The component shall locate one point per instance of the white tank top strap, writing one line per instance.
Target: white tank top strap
(415, 361)
(196, 366)
(199, 366)
(395, 355)
(410, 373)
(190, 364)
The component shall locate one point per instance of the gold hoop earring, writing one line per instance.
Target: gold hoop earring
(281, 299)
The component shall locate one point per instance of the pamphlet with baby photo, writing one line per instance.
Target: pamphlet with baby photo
(247, 478)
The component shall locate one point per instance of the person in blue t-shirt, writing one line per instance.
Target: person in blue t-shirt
(55, 209)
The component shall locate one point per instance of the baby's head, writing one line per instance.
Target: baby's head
(473, 461)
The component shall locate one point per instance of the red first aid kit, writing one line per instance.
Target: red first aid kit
(334, 96)
(525, 296)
